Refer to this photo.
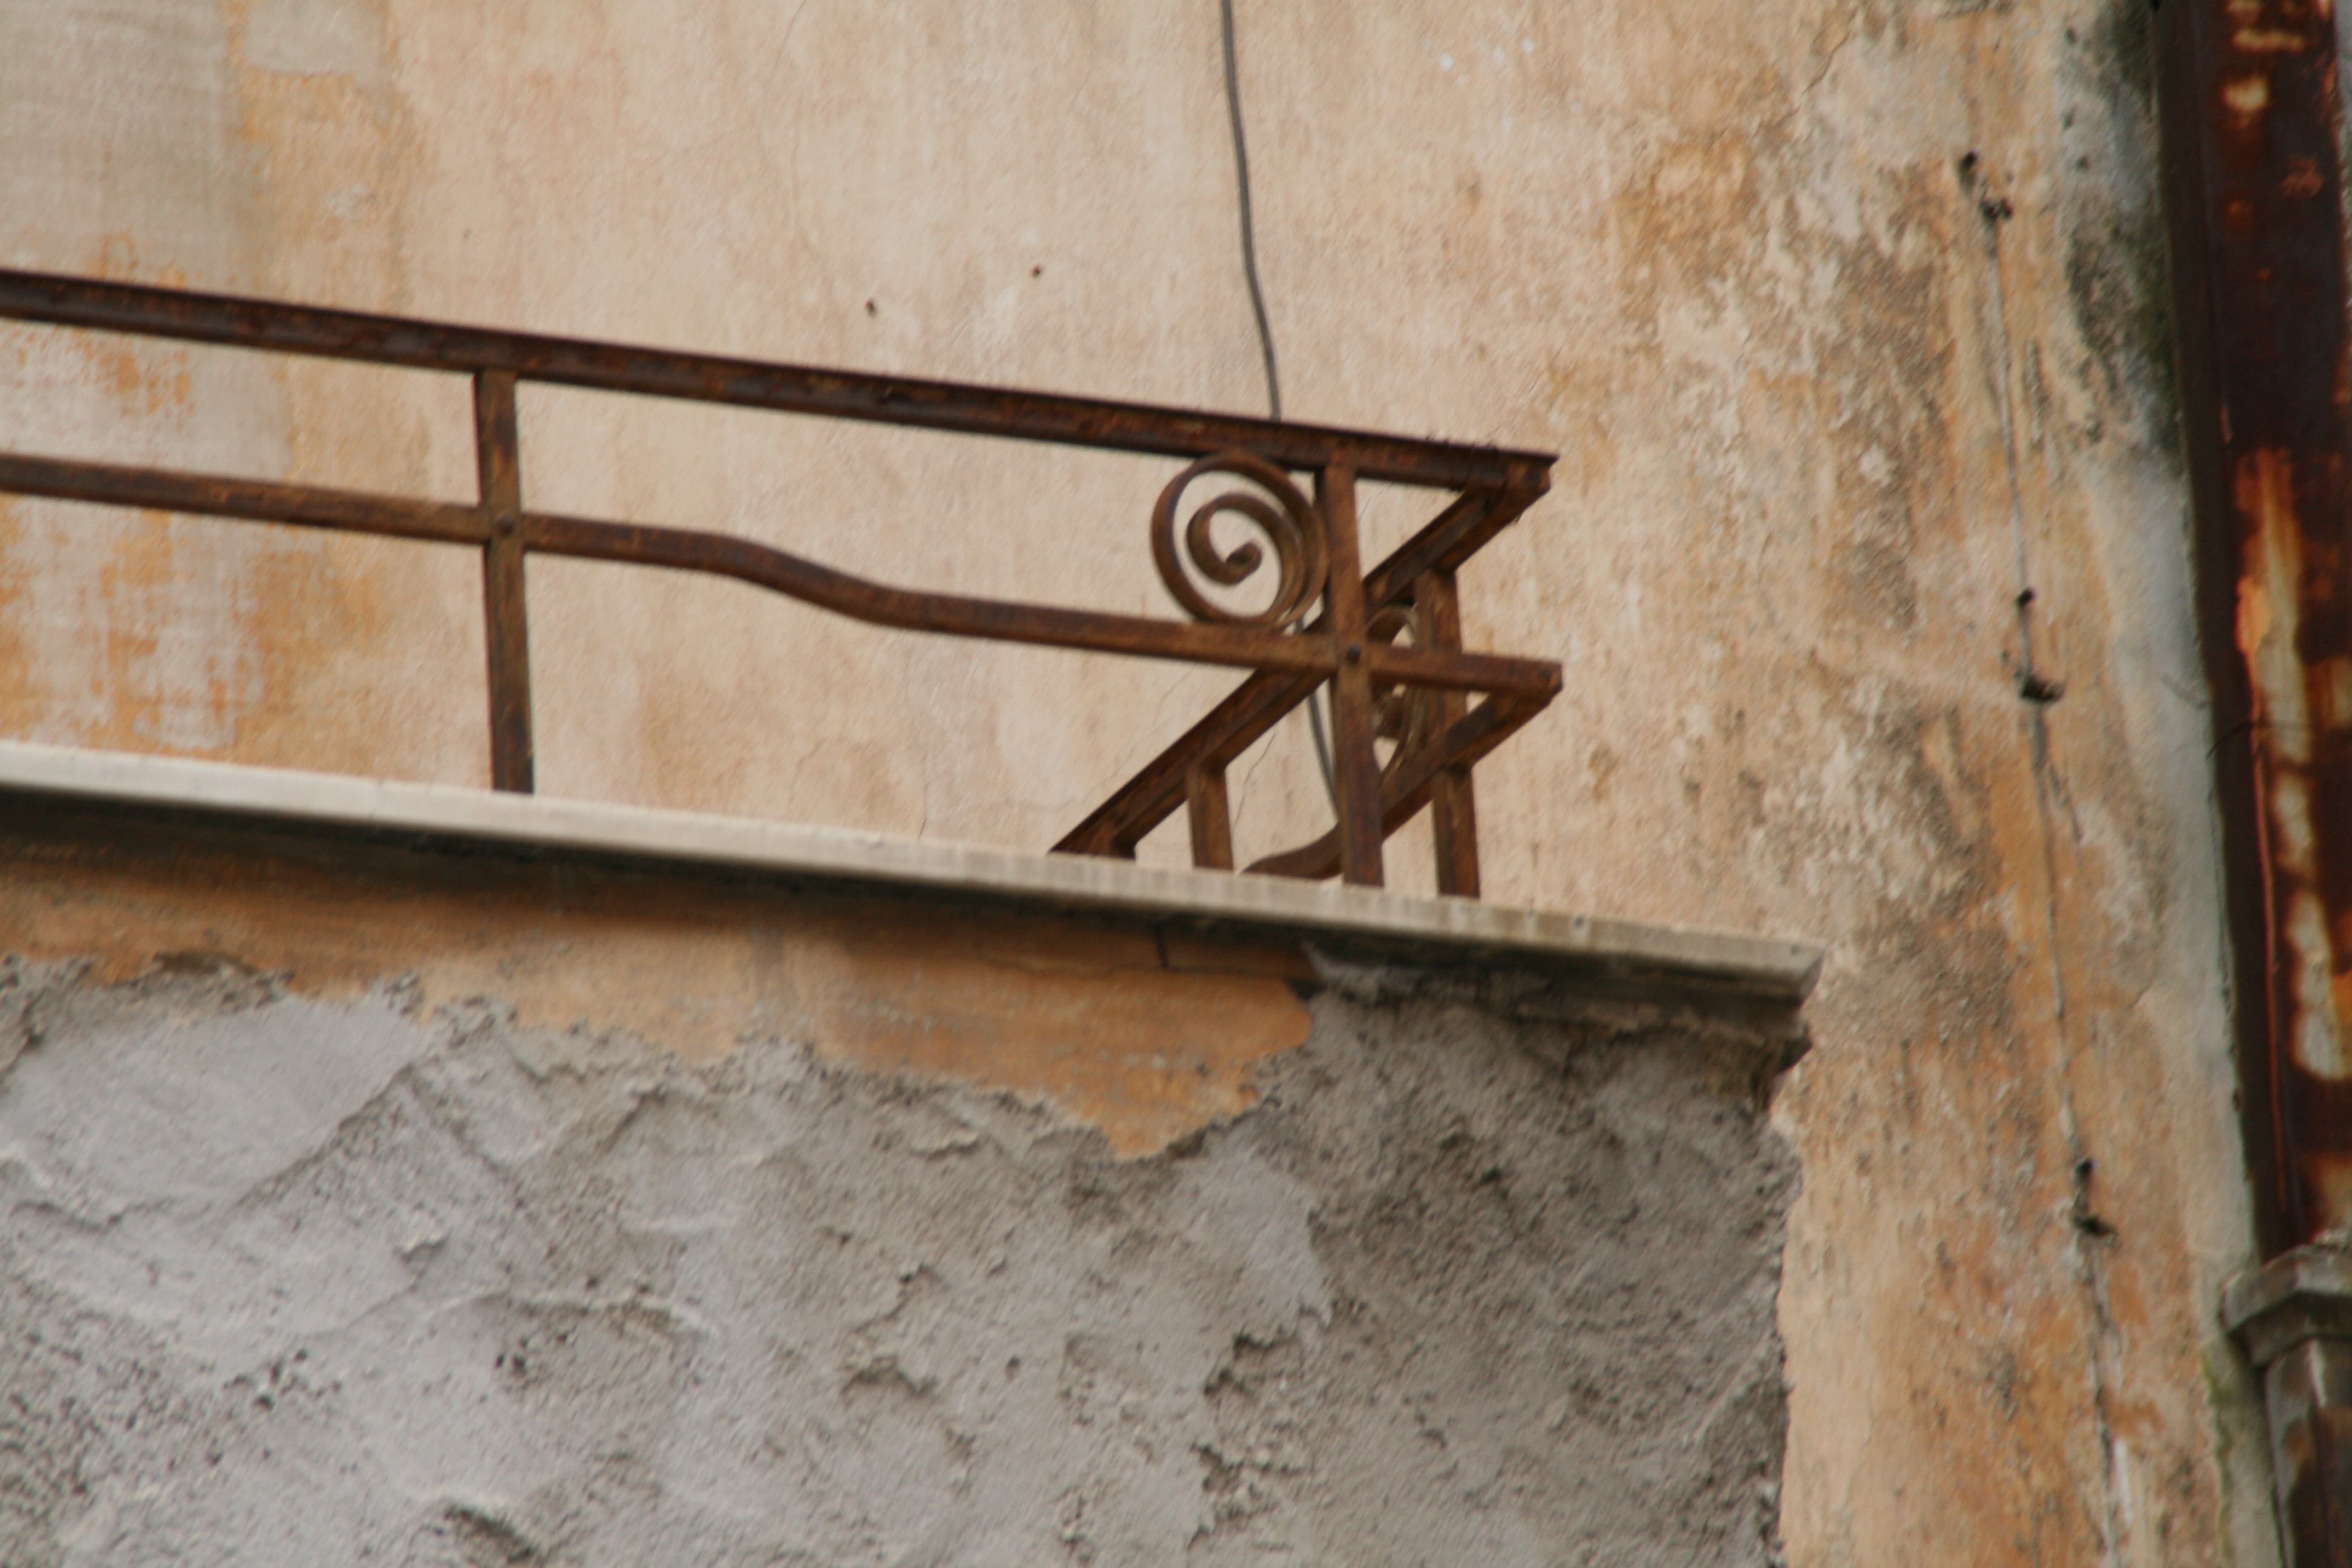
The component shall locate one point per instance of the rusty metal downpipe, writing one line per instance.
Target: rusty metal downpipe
(2255, 201)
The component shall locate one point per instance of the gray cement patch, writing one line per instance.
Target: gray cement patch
(286, 1282)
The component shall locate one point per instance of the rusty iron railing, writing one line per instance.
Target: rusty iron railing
(1387, 641)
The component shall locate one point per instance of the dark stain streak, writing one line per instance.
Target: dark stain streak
(2052, 813)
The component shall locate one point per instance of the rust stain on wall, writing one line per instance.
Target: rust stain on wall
(1926, 373)
(145, 382)
(347, 655)
(143, 632)
(1145, 1041)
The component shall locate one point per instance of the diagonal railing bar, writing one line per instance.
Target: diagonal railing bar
(1413, 780)
(1157, 790)
(1352, 644)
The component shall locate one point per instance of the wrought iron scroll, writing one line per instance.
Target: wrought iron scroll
(1288, 522)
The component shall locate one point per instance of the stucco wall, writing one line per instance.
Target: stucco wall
(294, 1270)
(1846, 321)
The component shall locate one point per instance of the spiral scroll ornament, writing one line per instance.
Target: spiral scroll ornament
(1406, 715)
(1281, 514)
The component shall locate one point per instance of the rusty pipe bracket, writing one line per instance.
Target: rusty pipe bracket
(2293, 1317)
(2305, 1294)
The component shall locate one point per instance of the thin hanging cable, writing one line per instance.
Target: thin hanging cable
(1249, 225)
(1265, 334)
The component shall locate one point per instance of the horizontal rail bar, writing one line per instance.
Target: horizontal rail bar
(724, 555)
(1156, 791)
(1447, 669)
(1405, 790)
(796, 389)
(877, 605)
(995, 620)
(254, 501)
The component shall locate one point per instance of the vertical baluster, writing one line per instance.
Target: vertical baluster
(1452, 809)
(1210, 815)
(1353, 721)
(506, 633)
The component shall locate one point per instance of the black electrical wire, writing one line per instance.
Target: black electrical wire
(1265, 330)
(1249, 225)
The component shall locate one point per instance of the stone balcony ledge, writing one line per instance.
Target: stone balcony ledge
(1658, 962)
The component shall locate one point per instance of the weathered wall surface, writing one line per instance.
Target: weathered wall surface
(288, 1279)
(1845, 318)
(1147, 1036)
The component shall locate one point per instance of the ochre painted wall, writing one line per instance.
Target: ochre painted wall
(1148, 1037)
(1845, 319)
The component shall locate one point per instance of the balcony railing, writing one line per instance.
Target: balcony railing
(1387, 642)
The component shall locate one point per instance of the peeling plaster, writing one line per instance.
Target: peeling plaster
(289, 1281)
